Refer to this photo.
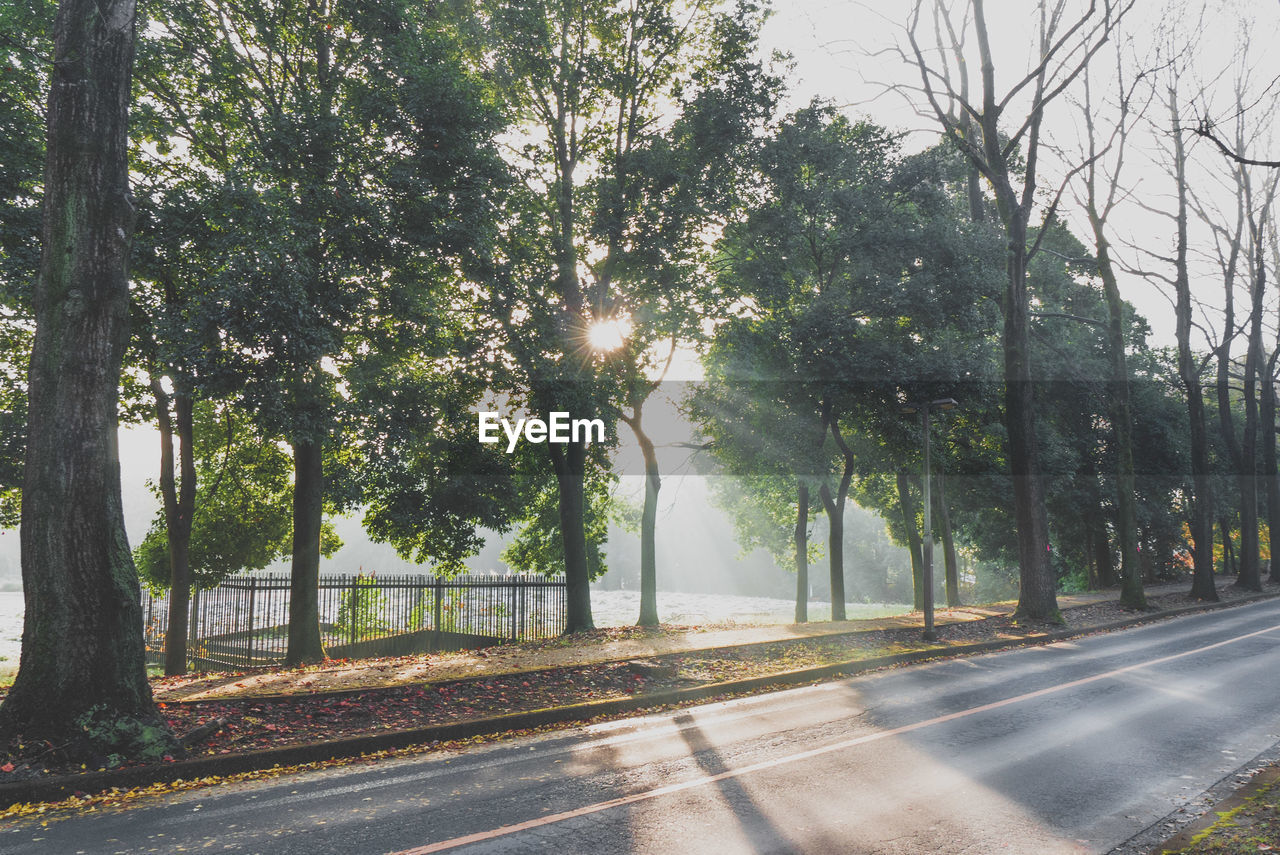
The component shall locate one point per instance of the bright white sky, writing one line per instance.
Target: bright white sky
(844, 52)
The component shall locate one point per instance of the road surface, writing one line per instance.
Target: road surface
(1068, 748)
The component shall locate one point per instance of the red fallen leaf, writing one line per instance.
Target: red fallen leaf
(7, 767)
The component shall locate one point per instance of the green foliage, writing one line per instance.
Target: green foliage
(244, 505)
(362, 609)
(103, 733)
(538, 548)
(863, 285)
(24, 67)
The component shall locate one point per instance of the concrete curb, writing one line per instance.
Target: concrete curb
(51, 789)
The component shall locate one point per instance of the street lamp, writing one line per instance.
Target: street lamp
(927, 582)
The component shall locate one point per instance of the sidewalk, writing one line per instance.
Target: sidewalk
(605, 645)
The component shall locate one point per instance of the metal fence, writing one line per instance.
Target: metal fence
(243, 622)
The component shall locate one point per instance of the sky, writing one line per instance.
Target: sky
(848, 53)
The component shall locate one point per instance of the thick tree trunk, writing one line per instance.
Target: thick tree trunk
(305, 644)
(801, 539)
(82, 679)
(1037, 598)
(1250, 578)
(648, 529)
(1132, 595)
(948, 540)
(570, 464)
(1270, 468)
(1229, 565)
(1202, 585)
(179, 503)
(907, 506)
(835, 548)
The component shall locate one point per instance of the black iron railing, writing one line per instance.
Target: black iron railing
(243, 622)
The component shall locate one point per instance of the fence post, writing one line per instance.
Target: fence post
(193, 624)
(436, 616)
(354, 611)
(515, 587)
(253, 590)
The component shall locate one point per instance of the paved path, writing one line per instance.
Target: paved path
(1067, 748)
(508, 659)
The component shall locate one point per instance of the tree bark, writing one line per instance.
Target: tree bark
(83, 660)
(1132, 595)
(1229, 565)
(648, 527)
(179, 503)
(1250, 578)
(1270, 468)
(835, 517)
(948, 540)
(570, 464)
(906, 504)
(1202, 585)
(835, 546)
(1037, 598)
(802, 552)
(1104, 558)
(305, 644)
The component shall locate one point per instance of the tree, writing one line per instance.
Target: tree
(82, 677)
(993, 146)
(630, 114)
(1189, 367)
(862, 286)
(352, 147)
(1098, 207)
(242, 516)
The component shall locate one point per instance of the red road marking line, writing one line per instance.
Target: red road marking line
(586, 810)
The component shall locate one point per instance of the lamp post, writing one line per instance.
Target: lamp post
(927, 547)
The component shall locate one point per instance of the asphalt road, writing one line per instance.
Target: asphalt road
(1073, 747)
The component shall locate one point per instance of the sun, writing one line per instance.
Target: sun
(607, 334)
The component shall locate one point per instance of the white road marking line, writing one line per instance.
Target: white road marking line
(647, 795)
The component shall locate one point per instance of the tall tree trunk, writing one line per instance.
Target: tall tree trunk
(835, 517)
(1270, 468)
(570, 463)
(1228, 548)
(835, 547)
(1037, 598)
(948, 540)
(179, 503)
(648, 527)
(1132, 595)
(907, 505)
(83, 660)
(1250, 578)
(801, 540)
(1202, 512)
(305, 644)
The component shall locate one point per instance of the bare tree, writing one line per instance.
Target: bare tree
(992, 142)
(1240, 255)
(1101, 195)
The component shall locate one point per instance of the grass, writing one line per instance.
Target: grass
(1251, 827)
